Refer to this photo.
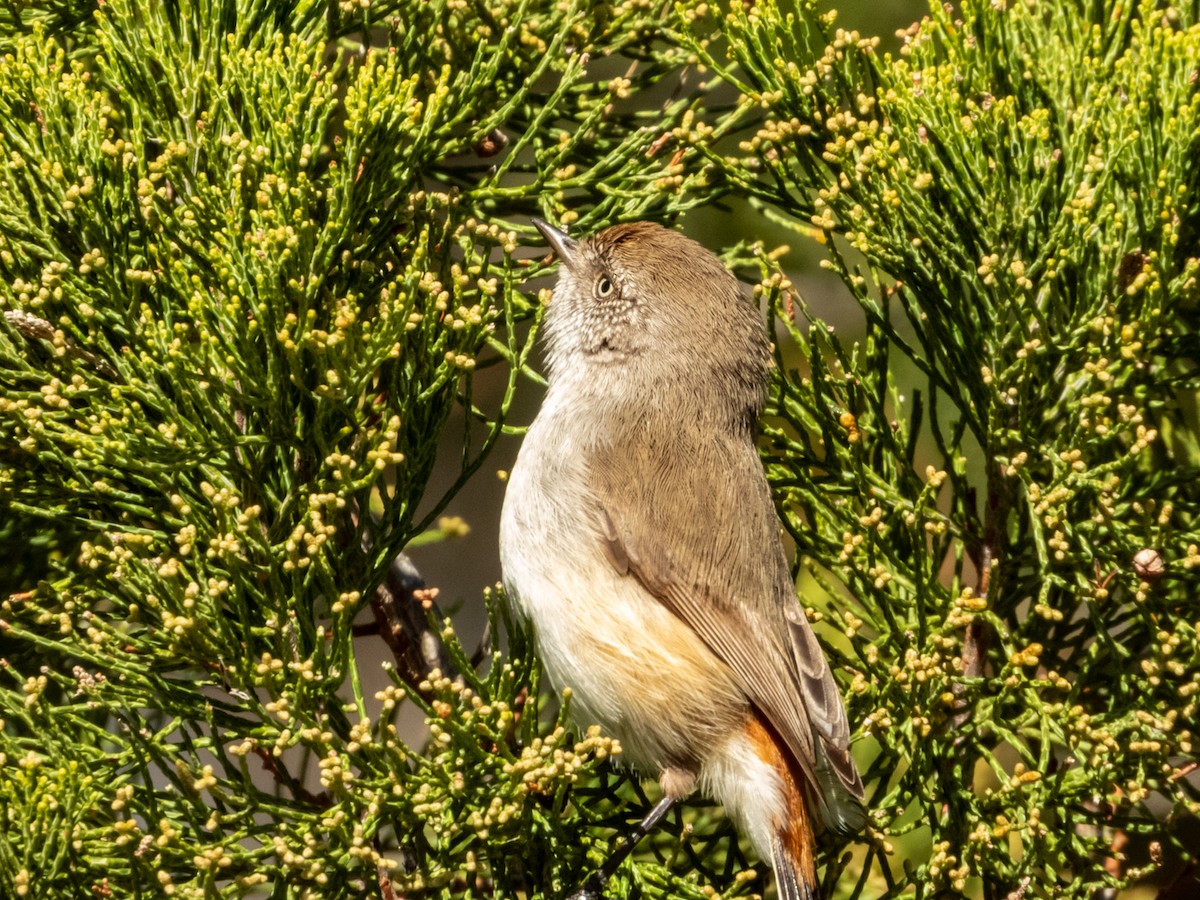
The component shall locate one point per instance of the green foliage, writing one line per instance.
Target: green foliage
(1007, 542)
(251, 257)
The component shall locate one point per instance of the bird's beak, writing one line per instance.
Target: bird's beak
(565, 246)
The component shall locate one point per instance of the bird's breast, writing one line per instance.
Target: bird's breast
(633, 667)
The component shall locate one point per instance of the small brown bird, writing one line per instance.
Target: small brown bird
(639, 537)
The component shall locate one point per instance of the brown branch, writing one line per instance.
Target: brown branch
(401, 606)
(1185, 771)
(1018, 893)
(978, 634)
(33, 328)
(386, 891)
(1113, 864)
(986, 554)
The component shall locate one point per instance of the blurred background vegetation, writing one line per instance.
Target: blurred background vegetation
(270, 300)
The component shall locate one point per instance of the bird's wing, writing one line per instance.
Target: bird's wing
(692, 521)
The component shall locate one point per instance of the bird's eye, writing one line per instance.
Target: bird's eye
(604, 286)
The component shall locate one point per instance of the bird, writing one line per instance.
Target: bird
(639, 538)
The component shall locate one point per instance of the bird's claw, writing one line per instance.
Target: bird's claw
(592, 889)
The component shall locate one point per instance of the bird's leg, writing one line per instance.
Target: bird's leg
(593, 888)
(676, 783)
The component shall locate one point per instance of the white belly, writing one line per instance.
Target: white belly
(633, 667)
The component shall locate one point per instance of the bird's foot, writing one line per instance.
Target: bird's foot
(592, 889)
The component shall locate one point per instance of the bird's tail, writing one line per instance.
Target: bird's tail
(790, 879)
(794, 843)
